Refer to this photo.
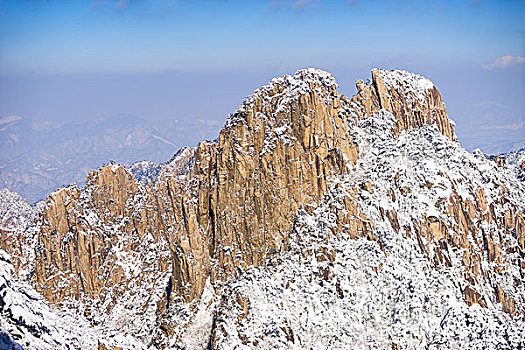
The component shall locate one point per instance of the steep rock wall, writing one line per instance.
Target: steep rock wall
(229, 204)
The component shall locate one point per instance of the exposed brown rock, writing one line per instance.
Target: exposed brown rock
(409, 110)
(467, 230)
(230, 204)
(234, 204)
(473, 297)
(244, 302)
(77, 257)
(499, 160)
(101, 346)
(508, 304)
(15, 244)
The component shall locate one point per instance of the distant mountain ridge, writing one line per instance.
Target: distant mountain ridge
(37, 157)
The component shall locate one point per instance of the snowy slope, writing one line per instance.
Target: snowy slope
(380, 295)
(15, 213)
(32, 324)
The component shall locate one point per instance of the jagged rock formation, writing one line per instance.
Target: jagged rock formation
(139, 247)
(433, 247)
(15, 217)
(276, 153)
(101, 245)
(413, 100)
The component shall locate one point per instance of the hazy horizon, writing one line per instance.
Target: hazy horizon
(160, 60)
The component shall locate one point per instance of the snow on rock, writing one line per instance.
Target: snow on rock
(179, 165)
(27, 322)
(514, 162)
(371, 226)
(334, 291)
(17, 236)
(287, 89)
(144, 171)
(410, 82)
(15, 213)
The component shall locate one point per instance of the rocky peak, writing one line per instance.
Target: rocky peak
(413, 100)
(214, 211)
(276, 96)
(229, 203)
(400, 79)
(224, 205)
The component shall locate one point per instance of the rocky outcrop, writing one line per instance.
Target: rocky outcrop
(413, 100)
(490, 235)
(229, 202)
(233, 205)
(96, 243)
(419, 229)
(215, 210)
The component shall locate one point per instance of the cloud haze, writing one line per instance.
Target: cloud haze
(301, 4)
(506, 61)
(513, 126)
(78, 60)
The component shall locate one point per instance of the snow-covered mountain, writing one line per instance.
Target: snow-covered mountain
(28, 322)
(333, 291)
(15, 213)
(314, 221)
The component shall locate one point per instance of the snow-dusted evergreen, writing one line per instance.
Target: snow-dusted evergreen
(31, 323)
(15, 213)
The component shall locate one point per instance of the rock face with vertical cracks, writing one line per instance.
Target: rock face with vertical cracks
(232, 207)
(216, 209)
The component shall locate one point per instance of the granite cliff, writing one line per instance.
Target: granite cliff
(179, 254)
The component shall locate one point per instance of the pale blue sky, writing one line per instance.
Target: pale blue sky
(75, 60)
